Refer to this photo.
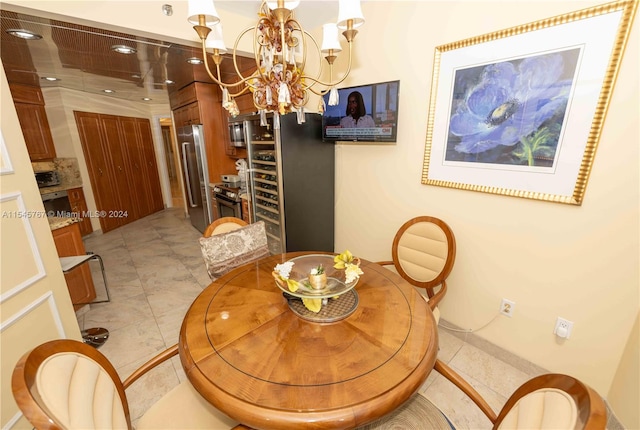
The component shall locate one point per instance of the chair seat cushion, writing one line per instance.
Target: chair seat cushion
(547, 408)
(226, 251)
(184, 408)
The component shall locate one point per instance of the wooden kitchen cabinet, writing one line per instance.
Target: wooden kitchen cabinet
(122, 167)
(200, 103)
(69, 243)
(187, 115)
(32, 115)
(79, 206)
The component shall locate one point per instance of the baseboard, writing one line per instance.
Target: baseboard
(515, 361)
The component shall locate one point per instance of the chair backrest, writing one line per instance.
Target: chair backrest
(225, 251)
(424, 250)
(553, 401)
(68, 384)
(223, 225)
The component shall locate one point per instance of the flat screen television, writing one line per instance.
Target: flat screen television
(380, 123)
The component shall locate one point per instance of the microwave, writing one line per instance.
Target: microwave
(49, 178)
(237, 134)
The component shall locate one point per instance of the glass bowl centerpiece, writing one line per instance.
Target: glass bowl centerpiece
(315, 278)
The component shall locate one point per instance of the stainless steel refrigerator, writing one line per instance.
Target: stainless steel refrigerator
(291, 182)
(195, 174)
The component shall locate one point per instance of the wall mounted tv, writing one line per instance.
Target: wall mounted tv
(380, 123)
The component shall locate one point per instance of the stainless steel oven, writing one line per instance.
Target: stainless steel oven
(57, 203)
(227, 201)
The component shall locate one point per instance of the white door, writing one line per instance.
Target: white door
(34, 301)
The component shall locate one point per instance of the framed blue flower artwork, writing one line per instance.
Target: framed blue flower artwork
(518, 112)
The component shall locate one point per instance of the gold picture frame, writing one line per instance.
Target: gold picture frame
(519, 112)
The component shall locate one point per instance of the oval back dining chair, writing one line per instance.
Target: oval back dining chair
(230, 242)
(423, 252)
(548, 401)
(66, 384)
(224, 225)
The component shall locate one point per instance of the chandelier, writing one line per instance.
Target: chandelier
(280, 82)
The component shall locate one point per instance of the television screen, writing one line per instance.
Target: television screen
(366, 113)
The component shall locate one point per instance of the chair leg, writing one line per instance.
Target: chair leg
(97, 336)
(104, 277)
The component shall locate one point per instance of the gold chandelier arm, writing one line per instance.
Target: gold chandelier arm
(332, 84)
(208, 69)
(219, 81)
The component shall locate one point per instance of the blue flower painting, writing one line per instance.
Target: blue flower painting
(511, 113)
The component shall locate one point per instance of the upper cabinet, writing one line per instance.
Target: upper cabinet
(200, 103)
(33, 121)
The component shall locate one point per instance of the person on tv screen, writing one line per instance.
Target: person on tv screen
(356, 115)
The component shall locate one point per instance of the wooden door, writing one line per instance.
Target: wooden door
(131, 147)
(122, 177)
(151, 165)
(99, 165)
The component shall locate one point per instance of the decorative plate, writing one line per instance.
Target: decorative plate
(301, 270)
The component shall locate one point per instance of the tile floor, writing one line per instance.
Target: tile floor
(155, 270)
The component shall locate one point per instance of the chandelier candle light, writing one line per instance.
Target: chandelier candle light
(279, 84)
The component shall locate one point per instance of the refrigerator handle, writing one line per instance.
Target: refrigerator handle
(185, 165)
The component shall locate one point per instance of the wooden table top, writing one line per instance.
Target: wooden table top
(249, 355)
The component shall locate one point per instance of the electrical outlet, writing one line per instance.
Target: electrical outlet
(563, 328)
(507, 307)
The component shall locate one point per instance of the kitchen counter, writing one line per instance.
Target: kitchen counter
(56, 222)
(56, 188)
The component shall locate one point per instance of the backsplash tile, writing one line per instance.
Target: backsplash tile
(67, 168)
(69, 171)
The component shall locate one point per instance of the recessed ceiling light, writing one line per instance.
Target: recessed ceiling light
(146, 99)
(49, 78)
(194, 60)
(123, 49)
(108, 91)
(24, 34)
(169, 82)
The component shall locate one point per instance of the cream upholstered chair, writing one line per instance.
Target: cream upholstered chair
(231, 244)
(423, 252)
(549, 401)
(66, 384)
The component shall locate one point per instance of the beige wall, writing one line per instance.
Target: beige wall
(580, 263)
(625, 387)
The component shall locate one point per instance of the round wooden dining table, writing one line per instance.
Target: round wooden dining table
(247, 353)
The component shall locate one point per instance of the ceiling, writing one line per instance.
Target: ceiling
(82, 59)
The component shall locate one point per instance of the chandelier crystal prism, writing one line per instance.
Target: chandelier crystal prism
(280, 82)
